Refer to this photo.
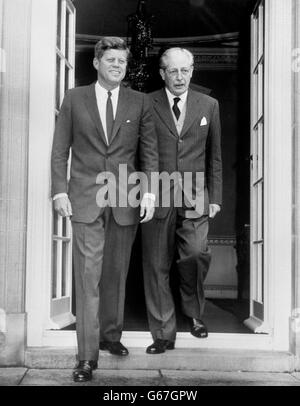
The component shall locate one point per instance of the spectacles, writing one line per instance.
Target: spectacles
(175, 72)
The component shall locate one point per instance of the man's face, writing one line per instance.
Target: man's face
(111, 68)
(178, 72)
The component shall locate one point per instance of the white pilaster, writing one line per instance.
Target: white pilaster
(295, 316)
(14, 101)
(278, 169)
(41, 128)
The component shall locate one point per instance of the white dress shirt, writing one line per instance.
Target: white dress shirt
(182, 108)
(180, 104)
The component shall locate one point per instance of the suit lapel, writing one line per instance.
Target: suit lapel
(91, 103)
(192, 111)
(162, 107)
(123, 104)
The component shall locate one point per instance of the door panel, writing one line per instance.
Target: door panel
(61, 288)
(256, 320)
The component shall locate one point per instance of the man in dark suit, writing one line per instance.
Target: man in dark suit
(188, 130)
(105, 125)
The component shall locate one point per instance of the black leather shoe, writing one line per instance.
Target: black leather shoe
(84, 371)
(199, 329)
(159, 346)
(114, 347)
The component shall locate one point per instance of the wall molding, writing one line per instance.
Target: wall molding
(216, 59)
(222, 240)
(212, 52)
(231, 38)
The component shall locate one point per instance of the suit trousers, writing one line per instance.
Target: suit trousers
(160, 239)
(101, 254)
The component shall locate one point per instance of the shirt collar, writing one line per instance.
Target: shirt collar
(103, 92)
(171, 96)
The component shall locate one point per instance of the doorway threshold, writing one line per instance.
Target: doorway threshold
(141, 339)
(189, 359)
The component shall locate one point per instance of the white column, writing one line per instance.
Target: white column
(278, 169)
(41, 128)
(295, 316)
(14, 102)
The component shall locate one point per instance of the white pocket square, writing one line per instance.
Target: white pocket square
(203, 121)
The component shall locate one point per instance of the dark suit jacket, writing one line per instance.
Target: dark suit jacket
(197, 149)
(79, 127)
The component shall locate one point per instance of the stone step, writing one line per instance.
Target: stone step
(178, 359)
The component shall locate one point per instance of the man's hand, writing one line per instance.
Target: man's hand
(147, 209)
(213, 210)
(63, 206)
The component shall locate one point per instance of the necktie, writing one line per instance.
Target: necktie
(109, 116)
(175, 107)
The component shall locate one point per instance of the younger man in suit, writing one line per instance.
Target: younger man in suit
(106, 125)
(188, 130)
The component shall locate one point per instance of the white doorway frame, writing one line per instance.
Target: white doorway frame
(278, 124)
(278, 164)
(277, 174)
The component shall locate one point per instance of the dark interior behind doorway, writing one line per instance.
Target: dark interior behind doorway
(231, 88)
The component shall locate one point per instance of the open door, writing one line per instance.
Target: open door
(257, 282)
(61, 273)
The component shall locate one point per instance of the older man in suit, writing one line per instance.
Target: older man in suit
(105, 125)
(188, 131)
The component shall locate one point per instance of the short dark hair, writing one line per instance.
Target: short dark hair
(106, 43)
